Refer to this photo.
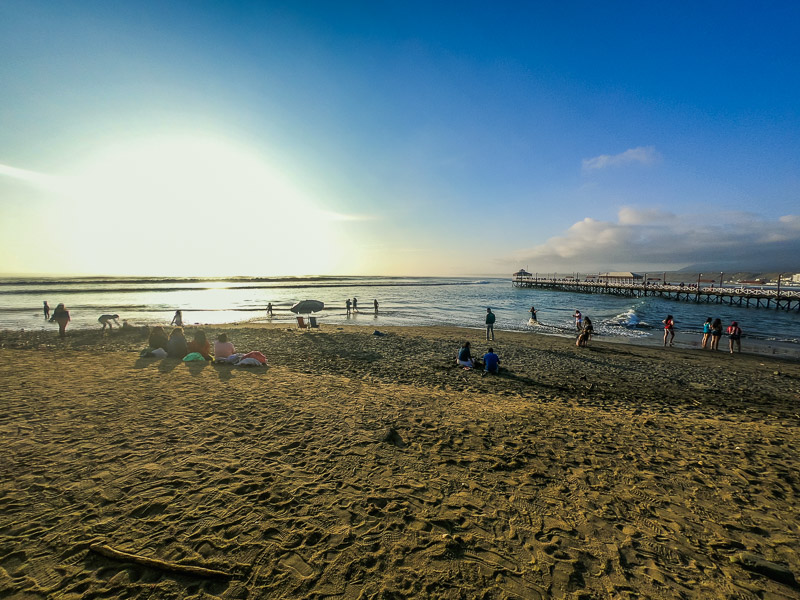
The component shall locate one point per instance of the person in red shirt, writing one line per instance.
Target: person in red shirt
(734, 336)
(669, 329)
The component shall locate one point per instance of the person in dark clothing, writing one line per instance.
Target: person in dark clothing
(157, 339)
(586, 333)
(490, 319)
(61, 316)
(465, 357)
(176, 346)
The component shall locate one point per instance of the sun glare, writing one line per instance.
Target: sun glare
(214, 206)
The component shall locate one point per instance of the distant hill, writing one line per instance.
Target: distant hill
(757, 271)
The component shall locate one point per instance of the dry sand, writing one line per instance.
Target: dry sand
(363, 466)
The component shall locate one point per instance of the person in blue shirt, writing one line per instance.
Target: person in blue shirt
(491, 362)
(706, 333)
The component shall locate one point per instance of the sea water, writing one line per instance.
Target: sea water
(402, 301)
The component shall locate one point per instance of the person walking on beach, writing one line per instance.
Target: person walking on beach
(533, 315)
(46, 309)
(669, 329)
(464, 357)
(61, 316)
(106, 320)
(716, 333)
(490, 319)
(347, 304)
(177, 320)
(269, 309)
(706, 333)
(491, 362)
(375, 304)
(586, 333)
(578, 320)
(734, 336)
(355, 304)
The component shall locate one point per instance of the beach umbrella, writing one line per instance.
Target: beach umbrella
(307, 306)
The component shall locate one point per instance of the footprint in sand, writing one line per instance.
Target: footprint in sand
(294, 562)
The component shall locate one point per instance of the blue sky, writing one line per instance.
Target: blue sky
(283, 138)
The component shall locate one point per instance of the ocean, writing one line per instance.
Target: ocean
(402, 301)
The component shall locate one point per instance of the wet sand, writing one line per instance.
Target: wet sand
(364, 466)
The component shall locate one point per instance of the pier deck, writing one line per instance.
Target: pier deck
(733, 296)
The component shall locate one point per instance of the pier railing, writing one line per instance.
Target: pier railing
(733, 296)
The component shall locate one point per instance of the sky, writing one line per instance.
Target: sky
(415, 138)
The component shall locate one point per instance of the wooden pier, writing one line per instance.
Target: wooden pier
(702, 294)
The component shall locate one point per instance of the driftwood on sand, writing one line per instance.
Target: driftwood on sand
(155, 563)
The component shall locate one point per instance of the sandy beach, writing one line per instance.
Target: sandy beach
(370, 466)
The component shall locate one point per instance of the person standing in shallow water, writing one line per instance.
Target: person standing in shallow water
(347, 305)
(269, 309)
(533, 315)
(177, 320)
(46, 310)
(355, 304)
(375, 304)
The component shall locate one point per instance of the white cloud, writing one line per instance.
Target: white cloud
(646, 155)
(32, 177)
(327, 215)
(641, 239)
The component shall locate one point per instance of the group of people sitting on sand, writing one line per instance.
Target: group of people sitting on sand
(491, 362)
(176, 346)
